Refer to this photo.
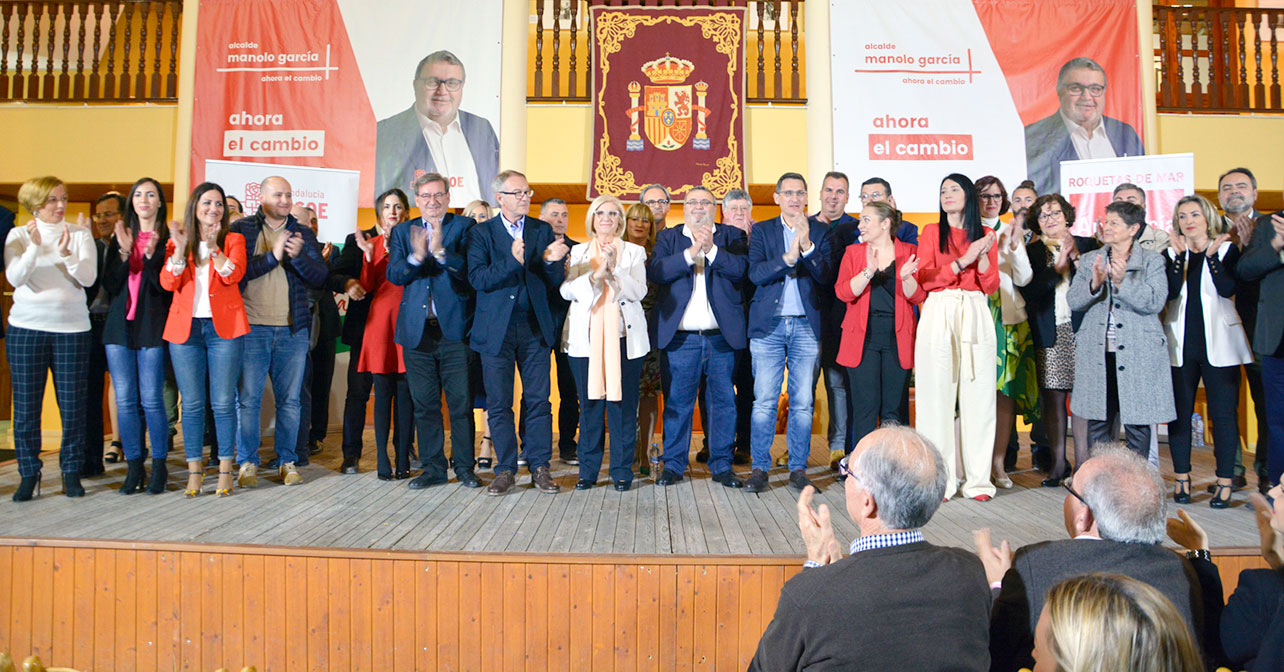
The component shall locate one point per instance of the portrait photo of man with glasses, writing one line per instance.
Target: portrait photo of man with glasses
(1078, 129)
(434, 136)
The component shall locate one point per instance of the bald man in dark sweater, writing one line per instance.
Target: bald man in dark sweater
(896, 602)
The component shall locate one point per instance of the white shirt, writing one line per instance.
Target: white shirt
(1094, 145)
(201, 275)
(49, 289)
(453, 159)
(1014, 272)
(698, 315)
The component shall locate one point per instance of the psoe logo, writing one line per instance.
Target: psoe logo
(668, 108)
(252, 198)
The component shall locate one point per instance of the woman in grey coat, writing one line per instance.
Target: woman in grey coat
(1121, 353)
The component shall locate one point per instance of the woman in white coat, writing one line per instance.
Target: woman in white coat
(1205, 339)
(605, 338)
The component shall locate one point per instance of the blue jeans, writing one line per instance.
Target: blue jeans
(138, 376)
(790, 345)
(688, 356)
(277, 352)
(205, 352)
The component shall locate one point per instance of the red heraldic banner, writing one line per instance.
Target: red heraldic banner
(668, 96)
(278, 83)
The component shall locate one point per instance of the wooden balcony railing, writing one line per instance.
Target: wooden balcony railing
(560, 49)
(118, 51)
(1213, 59)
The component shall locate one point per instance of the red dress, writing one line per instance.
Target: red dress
(379, 354)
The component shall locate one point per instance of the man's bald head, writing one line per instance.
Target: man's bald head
(275, 199)
(1125, 494)
(904, 474)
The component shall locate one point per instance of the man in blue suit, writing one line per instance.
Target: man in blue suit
(1079, 129)
(699, 324)
(789, 262)
(435, 136)
(428, 256)
(515, 264)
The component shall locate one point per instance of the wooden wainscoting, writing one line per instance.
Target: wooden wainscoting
(172, 606)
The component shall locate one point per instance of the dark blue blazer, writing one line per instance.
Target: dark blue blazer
(675, 280)
(305, 272)
(446, 284)
(346, 265)
(1048, 143)
(494, 274)
(767, 270)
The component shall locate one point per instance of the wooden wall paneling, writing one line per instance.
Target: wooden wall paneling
(514, 648)
(169, 604)
(603, 589)
(447, 616)
(145, 608)
(340, 609)
(20, 618)
(559, 617)
(539, 604)
(684, 615)
(212, 625)
(42, 602)
(255, 611)
(403, 614)
(491, 615)
(648, 615)
(626, 617)
(82, 656)
(383, 642)
(317, 598)
(580, 601)
(104, 609)
(752, 622)
(232, 622)
(667, 642)
(728, 626)
(361, 601)
(6, 605)
(705, 598)
(192, 591)
(426, 614)
(287, 632)
(470, 630)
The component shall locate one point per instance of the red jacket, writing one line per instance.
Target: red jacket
(226, 306)
(852, 346)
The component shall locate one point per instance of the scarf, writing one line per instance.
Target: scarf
(604, 337)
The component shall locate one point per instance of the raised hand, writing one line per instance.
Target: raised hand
(802, 233)
(418, 243)
(871, 260)
(556, 250)
(1062, 262)
(1099, 271)
(436, 240)
(996, 560)
(704, 237)
(910, 267)
(1272, 541)
(124, 237)
(519, 250)
(1118, 267)
(64, 242)
(278, 248)
(366, 245)
(150, 247)
(817, 530)
(1277, 223)
(1186, 532)
(1177, 242)
(178, 234)
(1243, 230)
(326, 251)
(294, 245)
(1211, 250)
(354, 290)
(33, 232)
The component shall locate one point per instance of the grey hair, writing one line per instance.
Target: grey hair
(441, 56)
(1126, 496)
(661, 187)
(703, 188)
(736, 195)
(1080, 63)
(543, 207)
(503, 176)
(429, 178)
(905, 475)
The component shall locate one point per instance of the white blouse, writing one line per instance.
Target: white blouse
(49, 289)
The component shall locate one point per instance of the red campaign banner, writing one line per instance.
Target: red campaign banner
(277, 83)
(668, 100)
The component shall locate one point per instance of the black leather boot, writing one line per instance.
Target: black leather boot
(29, 486)
(71, 485)
(133, 477)
(160, 477)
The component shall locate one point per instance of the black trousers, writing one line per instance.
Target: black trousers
(1102, 431)
(322, 379)
(875, 386)
(1253, 372)
(621, 416)
(354, 406)
(522, 350)
(94, 432)
(1222, 386)
(435, 367)
(568, 411)
(394, 409)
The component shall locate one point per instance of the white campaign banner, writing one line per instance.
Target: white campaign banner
(1089, 186)
(918, 94)
(331, 193)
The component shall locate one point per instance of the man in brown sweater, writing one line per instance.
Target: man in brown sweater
(896, 601)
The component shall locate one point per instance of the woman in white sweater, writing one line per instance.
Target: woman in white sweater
(606, 340)
(49, 262)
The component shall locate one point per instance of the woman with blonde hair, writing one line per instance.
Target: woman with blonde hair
(605, 338)
(640, 229)
(1111, 622)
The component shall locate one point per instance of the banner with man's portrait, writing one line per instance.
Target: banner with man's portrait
(1009, 88)
(668, 99)
(392, 89)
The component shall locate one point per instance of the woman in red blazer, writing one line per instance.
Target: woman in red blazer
(877, 282)
(204, 265)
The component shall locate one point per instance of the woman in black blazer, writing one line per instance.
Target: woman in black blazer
(1053, 260)
(136, 318)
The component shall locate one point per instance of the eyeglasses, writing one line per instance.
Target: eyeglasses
(431, 83)
(844, 470)
(990, 197)
(656, 202)
(872, 196)
(519, 195)
(703, 203)
(1066, 483)
(1045, 216)
(435, 196)
(794, 193)
(1077, 89)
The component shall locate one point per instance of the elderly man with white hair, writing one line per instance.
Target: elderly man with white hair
(1115, 514)
(896, 601)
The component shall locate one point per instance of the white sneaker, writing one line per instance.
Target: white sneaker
(248, 476)
(290, 474)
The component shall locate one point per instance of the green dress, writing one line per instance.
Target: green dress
(1018, 377)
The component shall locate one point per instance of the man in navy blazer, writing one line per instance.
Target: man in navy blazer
(1078, 129)
(428, 256)
(515, 264)
(789, 262)
(699, 324)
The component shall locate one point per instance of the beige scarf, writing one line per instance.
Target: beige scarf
(604, 337)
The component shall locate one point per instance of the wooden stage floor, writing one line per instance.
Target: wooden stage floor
(694, 517)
